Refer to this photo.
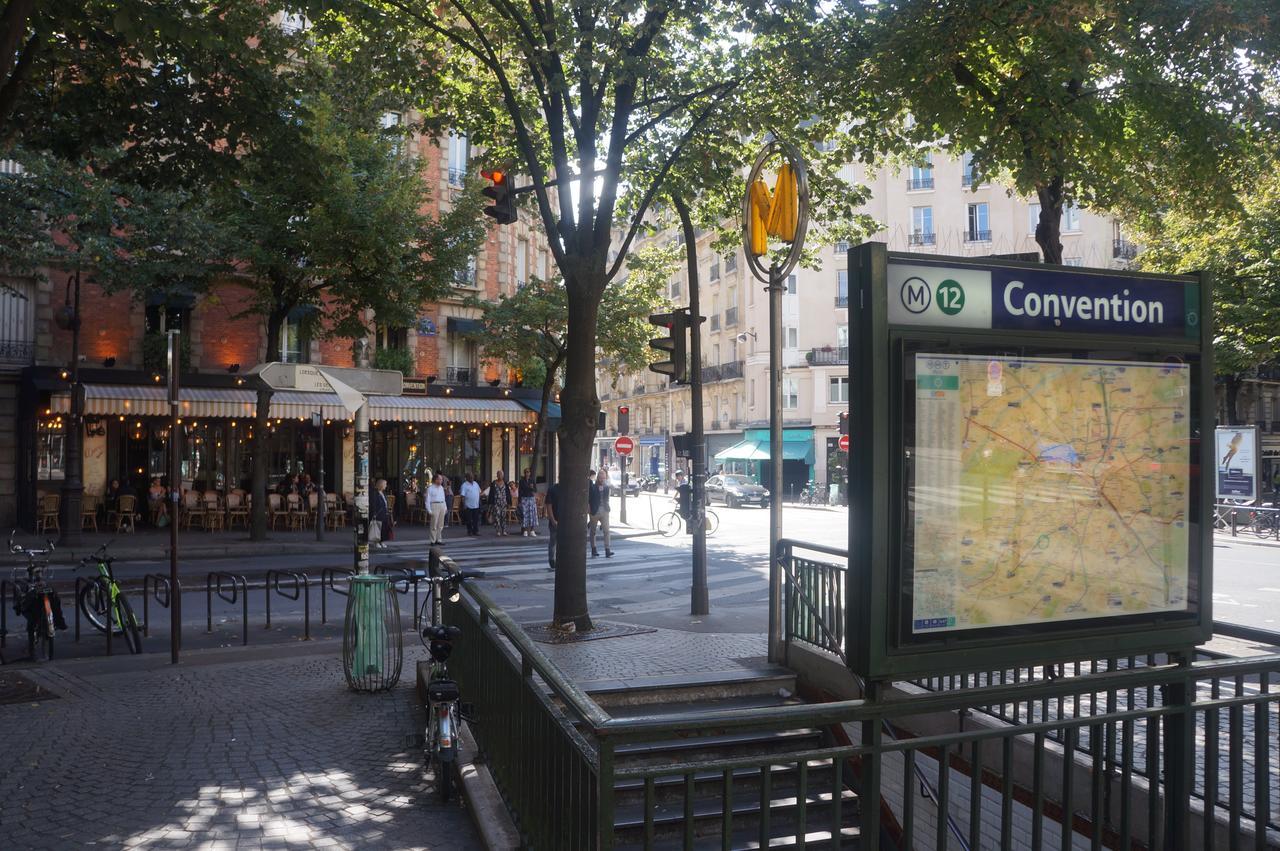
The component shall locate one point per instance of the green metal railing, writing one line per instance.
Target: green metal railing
(1083, 767)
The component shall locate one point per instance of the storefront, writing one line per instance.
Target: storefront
(127, 426)
(750, 457)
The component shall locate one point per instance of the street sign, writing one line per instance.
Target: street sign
(623, 445)
(313, 379)
(844, 443)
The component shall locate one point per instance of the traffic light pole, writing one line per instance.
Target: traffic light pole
(699, 602)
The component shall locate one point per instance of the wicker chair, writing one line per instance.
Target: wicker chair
(297, 515)
(192, 509)
(414, 509)
(126, 513)
(335, 513)
(48, 518)
(455, 510)
(89, 511)
(275, 509)
(237, 510)
(213, 513)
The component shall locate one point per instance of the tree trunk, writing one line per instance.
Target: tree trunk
(579, 409)
(1234, 382)
(1049, 228)
(261, 427)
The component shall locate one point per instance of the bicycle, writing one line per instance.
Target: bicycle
(35, 599)
(444, 700)
(670, 523)
(102, 600)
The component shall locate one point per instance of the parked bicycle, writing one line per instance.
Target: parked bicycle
(813, 494)
(102, 601)
(35, 599)
(673, 521)
(444, 700)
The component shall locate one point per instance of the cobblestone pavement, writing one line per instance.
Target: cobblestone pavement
(220, 753)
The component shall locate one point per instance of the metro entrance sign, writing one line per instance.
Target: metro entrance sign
(1029, 482)
(623, 445)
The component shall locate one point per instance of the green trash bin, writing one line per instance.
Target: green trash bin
(372, 643)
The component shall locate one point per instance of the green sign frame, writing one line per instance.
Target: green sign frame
(1037, 310)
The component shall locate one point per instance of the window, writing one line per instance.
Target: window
(1073, 261)
(842, 247)
(842, 336)
(462, 360)
(842, 288)
(390, 124)
(791, 337)
(1033, 217)
(730, 262)
(838, 389)
(459, 156)
(467, 277)
(1070, 217)
(542, 265)
(751, 392)
(715, 355)
(17, 323)
(50, 454)
(522, 262)
(791, 284)
(292, 23)
(922, 226)
(295, 343)
(675, 288)
(979, 223)
(921, 175)
(790, 394)
(715, 271)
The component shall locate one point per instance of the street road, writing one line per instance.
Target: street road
(647, 581)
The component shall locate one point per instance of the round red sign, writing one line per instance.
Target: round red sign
(623, 445)
(844, 443)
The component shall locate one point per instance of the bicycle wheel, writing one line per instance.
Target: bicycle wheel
(1265, 526)
(39, 644)
(132, 636)
(444, 779)
(669, 524)
(712, 521)
(93, 601)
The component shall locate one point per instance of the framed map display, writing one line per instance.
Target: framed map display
(1045, 490)
(1031, 463)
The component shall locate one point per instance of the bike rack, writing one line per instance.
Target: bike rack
(7, 591)
(239, 589)
(81, 583)
(152, 583)
(301, 587)
(328, 580)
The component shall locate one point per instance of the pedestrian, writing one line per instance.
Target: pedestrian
(528, 492)
(553, 522)
(598, 503)
(378, 513)
(470, 491)
(448, 495)
(499, 499)
(436, 509)
(684, 500)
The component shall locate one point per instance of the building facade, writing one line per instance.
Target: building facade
(459, 411)
(942, 209)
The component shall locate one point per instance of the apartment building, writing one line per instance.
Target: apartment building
(459, 411)
(942, 208)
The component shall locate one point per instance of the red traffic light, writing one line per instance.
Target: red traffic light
(624, 410)
(496, 175)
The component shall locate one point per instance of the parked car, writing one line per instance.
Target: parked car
(736, 490)
(615, 483)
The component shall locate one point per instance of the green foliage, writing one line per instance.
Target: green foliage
(398, 359)
(155, 351)
(1109, 104)
(1241, 247)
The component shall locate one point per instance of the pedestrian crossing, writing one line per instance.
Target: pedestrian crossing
(646, 575)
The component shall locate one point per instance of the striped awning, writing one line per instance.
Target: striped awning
(291, 404)
(143, 401)
(444, 409)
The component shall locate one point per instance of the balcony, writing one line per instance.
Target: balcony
(731, 317)
(730, 370)
(1123, 249)
(710, 374)
(915, 184)
(827, 356)
(977, 236)
(457, 176)
(921, 238)
(969, 179)
(842, 300)
(17, 352)
(639, 390)
(715, 322)
(460, 375)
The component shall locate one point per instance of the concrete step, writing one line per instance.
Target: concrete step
(616, 695)
(784, 817)
(783, 778)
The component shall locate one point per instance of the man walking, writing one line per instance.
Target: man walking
(436, 509)
(470, 491)
(598, 503)
(553, 521)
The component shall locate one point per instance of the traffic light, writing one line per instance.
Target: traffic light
(624, 419)
(675, 345)
(600, 421)
(844, 422)
(503, 208)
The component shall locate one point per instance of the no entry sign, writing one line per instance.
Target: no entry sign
(844, 443)
(623, 445)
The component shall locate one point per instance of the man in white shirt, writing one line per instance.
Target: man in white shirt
(470, 491)
(436, 509)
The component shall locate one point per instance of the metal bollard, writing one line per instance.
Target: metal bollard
(239, 590)
(301, 587)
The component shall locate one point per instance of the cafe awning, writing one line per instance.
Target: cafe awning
(758, 450)
(144, 401)
(446, 409)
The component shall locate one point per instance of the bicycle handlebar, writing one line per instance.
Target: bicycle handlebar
(27, 551)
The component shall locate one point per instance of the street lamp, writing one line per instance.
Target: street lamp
(68, 319)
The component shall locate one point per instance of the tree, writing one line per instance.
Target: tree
(1107, 104)
(527, 330)
(600, 105)
(326, 214)
(1241, 247)
(177, 87)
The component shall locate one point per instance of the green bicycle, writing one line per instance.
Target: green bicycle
(101, 600)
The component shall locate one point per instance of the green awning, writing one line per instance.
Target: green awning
(553, 411)
(758, 450)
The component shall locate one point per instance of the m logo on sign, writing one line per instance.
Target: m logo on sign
(916, 295)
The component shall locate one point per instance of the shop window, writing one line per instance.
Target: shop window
(50, 454)
(295, 337)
